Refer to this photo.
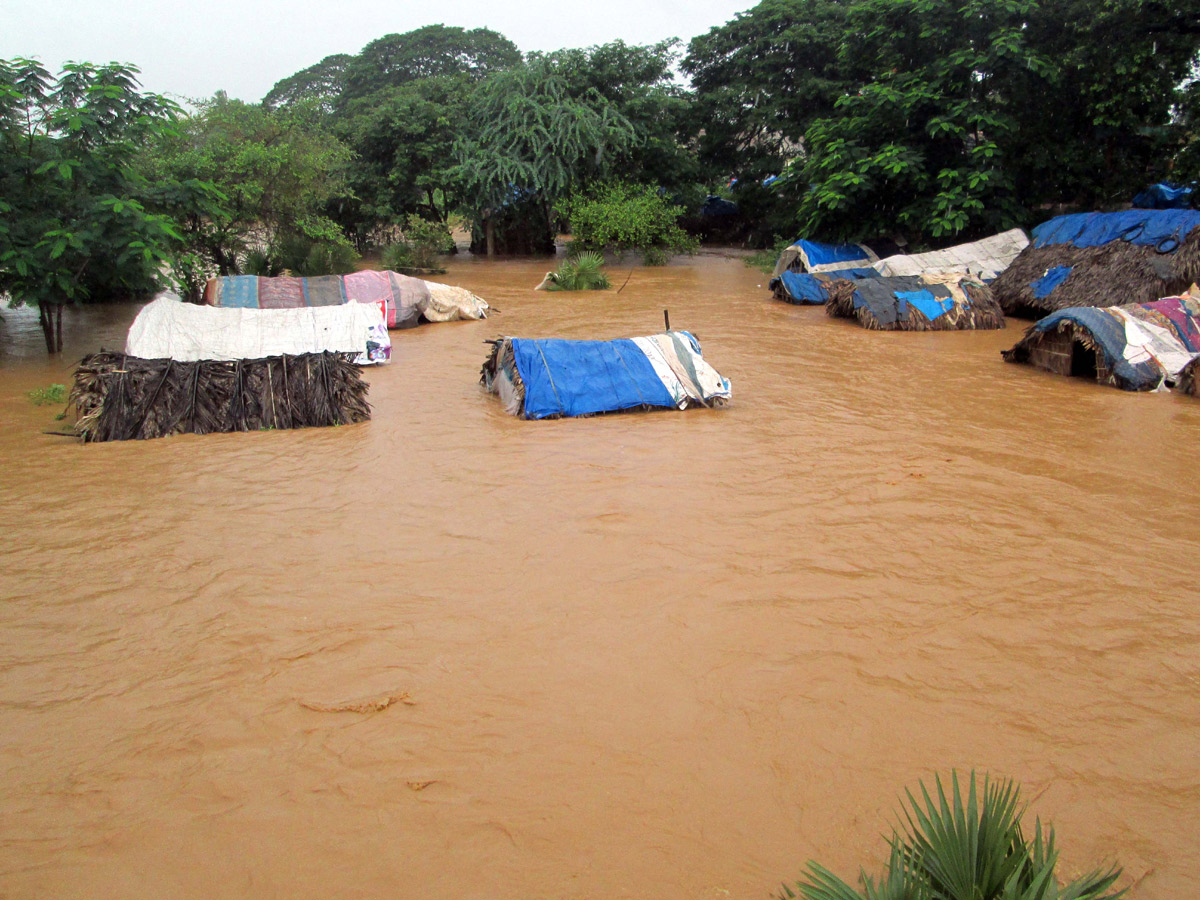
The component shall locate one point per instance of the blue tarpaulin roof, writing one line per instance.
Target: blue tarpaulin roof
(1164, 229)
(1108, 334)
(579, 378)
(803, 287)
(1164, 196)
(822, 254)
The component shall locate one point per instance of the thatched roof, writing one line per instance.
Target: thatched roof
(1189, 379)
(119, 397)
(1136, 347)
(953, 302)
(1102, 259)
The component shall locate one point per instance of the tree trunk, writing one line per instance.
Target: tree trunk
(489, 230)
(50, 318)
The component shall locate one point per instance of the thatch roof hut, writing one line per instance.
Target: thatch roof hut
(1136, 347)
(1102, 259)
(814, 256)
(952, 302)
(117, 397)
(550, 379)
(404, 301)
(984, 259)
(1188, 381)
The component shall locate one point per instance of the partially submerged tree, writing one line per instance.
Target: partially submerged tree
(73, 222)
(528, 142)
(276, 171)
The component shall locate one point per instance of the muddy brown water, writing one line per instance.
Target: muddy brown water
(638, 656)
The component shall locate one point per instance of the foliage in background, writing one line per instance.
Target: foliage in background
(620, 216)
(419, 246)
(964, 848)
(582, 272)
(528, 138)
(275, 172)
(764, 260)
(74, 223)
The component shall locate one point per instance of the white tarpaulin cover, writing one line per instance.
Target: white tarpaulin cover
(168, 328)
(984, 259)
(447, 302)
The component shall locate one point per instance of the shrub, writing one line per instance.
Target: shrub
(622, 217)
(53, 393)
(420, 244)
(956, 849)
(583, 272)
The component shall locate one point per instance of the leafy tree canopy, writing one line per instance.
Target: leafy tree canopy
(429, 52)
(321, 85)
(276, 171)
(74, 224)
(527, 137)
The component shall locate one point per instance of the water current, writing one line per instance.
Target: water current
(652, 655)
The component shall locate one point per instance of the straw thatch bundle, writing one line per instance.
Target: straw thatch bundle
(980, 311)
(1188, 381)
(1112, 274)
(119, 397)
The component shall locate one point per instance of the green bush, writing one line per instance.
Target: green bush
(54, 393)
(420, 244)
(582, 272)
(622, 217)
(956, 848)
(302, 256)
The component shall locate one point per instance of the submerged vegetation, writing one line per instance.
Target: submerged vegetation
(45, 396)
(956, 847)
(844, 119)
(582, 271)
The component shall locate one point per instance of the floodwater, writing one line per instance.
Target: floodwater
(652, 655)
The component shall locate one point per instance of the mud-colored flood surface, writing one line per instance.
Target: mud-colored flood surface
(652, 655)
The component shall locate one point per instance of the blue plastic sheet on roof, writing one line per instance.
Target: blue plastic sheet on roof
(1108, 333)
(807, 288)
(823, 254)
(1163, 229)
(1053, 278)
(579, 378)
(923, 300)
(1164, 196)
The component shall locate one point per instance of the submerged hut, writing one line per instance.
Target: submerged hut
(951, 302)
(550, 379)
(1102, 259)
(202, 369)
(983, 259)
(168, 328)
(814, 256)
(403, 300)
(118, 397)
(1188, 381)
(1137, 347)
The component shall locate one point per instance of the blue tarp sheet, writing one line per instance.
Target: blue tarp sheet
(1164, 196)
(823, 254)
(579, 378)
(923, 300)
(1053, 278)
(806, 288)
(1163, 229)
(1108, 333)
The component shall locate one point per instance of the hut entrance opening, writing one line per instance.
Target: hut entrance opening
(1083, 360)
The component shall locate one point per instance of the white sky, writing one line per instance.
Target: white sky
(193, 49)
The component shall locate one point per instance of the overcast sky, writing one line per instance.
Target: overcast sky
(193, 49)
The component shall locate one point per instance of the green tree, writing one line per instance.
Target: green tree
(276, 171)
(429, 52)
(528, 143)
(761, 79)
(321, 85)
(73, 222)
(402, 164)
(622, 217)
